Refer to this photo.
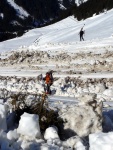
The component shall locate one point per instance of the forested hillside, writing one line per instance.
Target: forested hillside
(91, 7)
(17, 16)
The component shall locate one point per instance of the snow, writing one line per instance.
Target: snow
(78, 2)
(98, 29)
(51, 133)
(74, 143)
(101, 141)
(20, 11)
(29, 125)
(2, 15)
(54, 42)
(15, 23)
(79, 119)
(12, 135)
(108, 92)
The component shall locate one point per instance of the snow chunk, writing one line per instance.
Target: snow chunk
(108, 92)
(51, 133)
(4, 142)
(12, 135)
(83, 119)
(99, 88)
(101, 141)
(74, 143)
(29, 125)
(78, 2)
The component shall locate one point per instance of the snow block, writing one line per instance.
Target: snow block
(29, 125)
(83, 119)
(51, 133)
(12, 135)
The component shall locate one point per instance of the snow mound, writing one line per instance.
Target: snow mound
(29, 125)
(12, 135)
(51, 133)
(85, 119)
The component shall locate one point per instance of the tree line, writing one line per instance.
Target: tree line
(91, 7)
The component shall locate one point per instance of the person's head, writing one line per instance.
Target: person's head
(47, 73)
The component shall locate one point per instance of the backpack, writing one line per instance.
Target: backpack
(51, 76)
(82, 32)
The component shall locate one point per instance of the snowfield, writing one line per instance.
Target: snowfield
(82, 91)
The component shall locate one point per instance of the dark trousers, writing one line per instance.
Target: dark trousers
(47, 88)
(81, 38)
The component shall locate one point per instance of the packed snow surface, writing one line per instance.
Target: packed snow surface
(101, 141)
(31, 122)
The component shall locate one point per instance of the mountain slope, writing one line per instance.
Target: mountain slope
(20, 15)
(65, 31)
(39, 10)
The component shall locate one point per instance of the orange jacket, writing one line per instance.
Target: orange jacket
(48, 79)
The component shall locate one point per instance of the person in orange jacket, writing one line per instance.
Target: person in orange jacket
(48, 80)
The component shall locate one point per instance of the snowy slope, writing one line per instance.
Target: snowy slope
(97, 29)
(80, 68)
(63, 37)
(67, 30)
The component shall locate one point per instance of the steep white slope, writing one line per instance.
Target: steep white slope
(96, 27)
(66, 31)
